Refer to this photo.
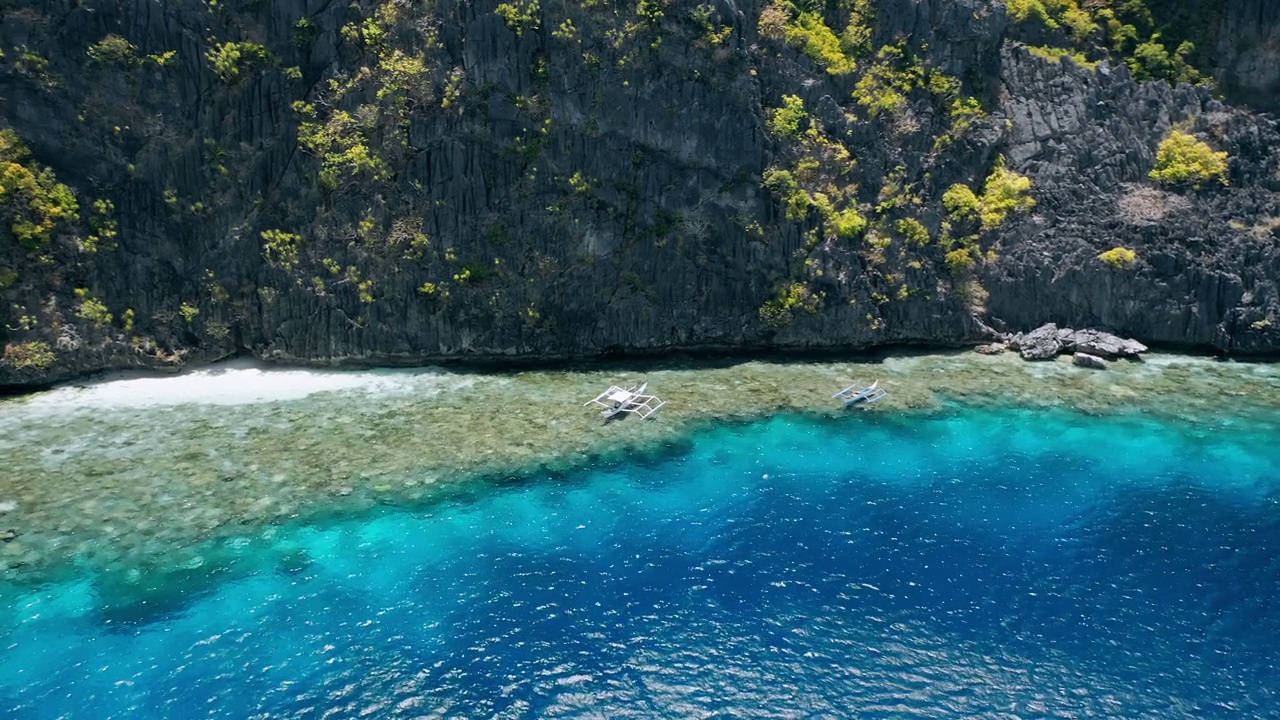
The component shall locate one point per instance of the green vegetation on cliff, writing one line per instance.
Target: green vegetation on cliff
(116, 51)
(231, 59)
(1005, 192)
(33, 204)
(785, 121)
(356, 135)
(801, 25)
(34, 355)
(888, 81)
(1119, 257)
(520, 16)
(1182, 159)
(280, 248)
(778, 311)
(815, 181)
(900, 95)
(1124, 29)
(973, 217)
(92, 309)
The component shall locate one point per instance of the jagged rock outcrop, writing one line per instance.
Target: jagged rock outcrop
(410, 182)
(1043, 343)
(1101, 344)
(1048, 341)
(1235, 42)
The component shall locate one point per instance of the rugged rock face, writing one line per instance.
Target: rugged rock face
(1043, 343)
(414, 181)
(1048, 341)
(1104, 345)
(1249, 51)
(1238, 41)
(1205, 277)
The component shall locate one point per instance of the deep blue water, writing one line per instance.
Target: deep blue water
(1003, 565)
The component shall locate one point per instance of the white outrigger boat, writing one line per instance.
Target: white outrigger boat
(856, 394)
(616, 401)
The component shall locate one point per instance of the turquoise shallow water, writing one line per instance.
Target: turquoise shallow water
(963, 564)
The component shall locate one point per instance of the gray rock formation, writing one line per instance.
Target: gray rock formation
(1086, 360)
(1043, 343)
(1101, 344)
(1048, 341)
(1247, 53)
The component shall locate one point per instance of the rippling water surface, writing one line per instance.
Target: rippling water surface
(961, 564)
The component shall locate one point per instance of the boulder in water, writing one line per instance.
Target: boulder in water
(1043, 343)
(1102, 344)
(1086, 360)
(1047, 341)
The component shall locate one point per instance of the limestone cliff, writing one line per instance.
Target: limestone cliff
(409, 181)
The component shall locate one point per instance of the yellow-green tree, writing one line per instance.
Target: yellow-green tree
(32, 201)
(1183, 159)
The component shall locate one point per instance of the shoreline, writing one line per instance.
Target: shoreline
(123, 481)
(696, 355)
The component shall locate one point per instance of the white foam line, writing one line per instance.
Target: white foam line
(239, 382)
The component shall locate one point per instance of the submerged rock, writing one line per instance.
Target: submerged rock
(1043, 343)
(8, 506)
(992, 349)
(8, 535)
(1086, 360)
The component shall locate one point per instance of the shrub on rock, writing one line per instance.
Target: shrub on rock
(1184, 160)
(1119, 257)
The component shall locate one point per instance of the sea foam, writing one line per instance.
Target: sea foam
(239, 382)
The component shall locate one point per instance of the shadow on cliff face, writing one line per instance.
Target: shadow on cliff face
(1236, 41)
